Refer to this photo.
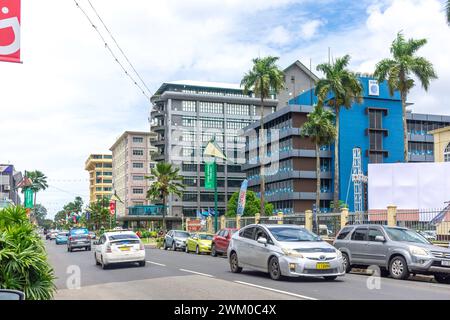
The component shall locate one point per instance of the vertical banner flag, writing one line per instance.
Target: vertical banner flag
(28, 198)
(10, 30)
(112, 207)
(210, 175)
(241, 200)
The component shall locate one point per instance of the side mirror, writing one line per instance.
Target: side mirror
(262, 241)
(11, 295)
(380, 239)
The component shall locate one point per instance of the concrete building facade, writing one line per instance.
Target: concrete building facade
(99, 167)
(9, 178)
(441, 144)
(131, 162)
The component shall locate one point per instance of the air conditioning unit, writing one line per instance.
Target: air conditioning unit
(7, 187)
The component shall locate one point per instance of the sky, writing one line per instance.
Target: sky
(69, 98)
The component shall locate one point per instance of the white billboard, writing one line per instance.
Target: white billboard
(409, 185)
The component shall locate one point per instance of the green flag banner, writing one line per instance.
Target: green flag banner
(210, 175)
(28, 198)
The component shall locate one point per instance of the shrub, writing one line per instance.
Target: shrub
(159, 242)
(23, 259)
(153, 234)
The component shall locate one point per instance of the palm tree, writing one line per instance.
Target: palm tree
(263, 79)
(320, 129)
(447, 9)
(166, 182)
(340, 88)
(398, 70)
(38, 183)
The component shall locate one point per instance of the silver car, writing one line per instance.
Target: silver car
(284, 250)
(396, 251)
(176, 239)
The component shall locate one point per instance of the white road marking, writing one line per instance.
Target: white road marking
(275, 290)
(199, 273)
(158, 264)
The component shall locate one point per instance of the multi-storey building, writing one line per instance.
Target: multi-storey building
(9, 178)
(99, 167)
(185, 116)
(131, 163)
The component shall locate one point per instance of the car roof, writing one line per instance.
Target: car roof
(367, 225)
(111, 233)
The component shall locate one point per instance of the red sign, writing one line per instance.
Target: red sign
(10, 30)
(194, 225)
(112, 207)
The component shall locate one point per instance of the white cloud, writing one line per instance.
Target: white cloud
(278, 36)
(309, 29)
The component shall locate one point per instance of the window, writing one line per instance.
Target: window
(192, 197)
(107, 181)
(138, 165)
(138, 191)
(376, 157)
(373, 233)
(138, 178)
(210, 107)
(189, 167)
(360, 234)
(247, 233)
(375, 119)
(138, 139)
(238, 109)
(138, 152)
(344, 233)
(447, 153)
(188, 106)
(376, 140)
(189, 121)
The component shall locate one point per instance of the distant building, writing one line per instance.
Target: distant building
(131, 162)
(9, 178)
(441, 144)
(99, 167)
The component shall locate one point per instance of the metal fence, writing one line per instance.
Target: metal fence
(230, 223)
(328, 224)
(245, 221)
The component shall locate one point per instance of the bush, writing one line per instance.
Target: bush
(23, 259)
(153, 234)
(159, 242)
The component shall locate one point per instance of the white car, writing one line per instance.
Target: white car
(119, 247)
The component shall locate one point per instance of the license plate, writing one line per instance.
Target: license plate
(446, 263)
(124, 248)
(322, 266)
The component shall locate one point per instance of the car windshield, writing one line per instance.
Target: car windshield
(122, 236)
(63, 234)
(79, 231)
(290, 234)
(405, 235)
(181, 234)
(205, 236)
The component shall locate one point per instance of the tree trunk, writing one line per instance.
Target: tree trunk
(318, 183)
(405, 128)
(336, 164)
(164, 215)
(261, 157)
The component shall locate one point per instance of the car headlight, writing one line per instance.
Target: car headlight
(291, 253)
(339, 253)
(417, 251)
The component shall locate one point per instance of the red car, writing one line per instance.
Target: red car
(221, 240)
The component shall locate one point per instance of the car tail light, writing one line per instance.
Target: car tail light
(70, 238)
(141, 246)
(108, 248)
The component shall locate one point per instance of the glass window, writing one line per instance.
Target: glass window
(344, 233)
(447, 153)
(138, 139)
(293, 234)
(405, 235)
(138, 178)
(138, 191)
(138, 165)
(373, 233)
(360, 234)
(247, 233)
(138, 152)
(188, 106)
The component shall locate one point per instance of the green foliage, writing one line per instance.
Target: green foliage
(447, 10)
(99, 214)
(159, 242)
(252, 205)
(23, 260)
(319, 127)
(39, 212)
(38, 179)
(47, 224)
(342, 204)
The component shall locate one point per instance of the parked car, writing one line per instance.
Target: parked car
(92, 235)
(78, 238)
(119, 247)
(397, 251)
(221, 241)
(430, 235)
(52, 235)
(284, 250)
(176, 239)
(199, 242)
(62, 237)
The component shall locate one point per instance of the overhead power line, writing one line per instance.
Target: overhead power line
(147, 95)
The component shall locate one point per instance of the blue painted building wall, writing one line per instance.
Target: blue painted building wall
(352, 133)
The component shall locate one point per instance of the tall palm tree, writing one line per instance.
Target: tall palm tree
(38, 183)
(398, 72)
(166, 182)
(447, 9)
(340, 88)
(264, 78)
(320, 129)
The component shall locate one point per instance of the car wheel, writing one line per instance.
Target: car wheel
(234, 265)
(398, 268)
(142, 263)
(442, 278)
(274, 269)
(104, 265)
(165, 245)
(347, 265)
(96, 261)
(330, 278)
(186, 249)
(213, 251)
(88, 248)
(174, 247)
(197, 250)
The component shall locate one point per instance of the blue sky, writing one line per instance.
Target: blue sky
(70, 99)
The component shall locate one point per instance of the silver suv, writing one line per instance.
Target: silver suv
(284, 250)
(397, 251)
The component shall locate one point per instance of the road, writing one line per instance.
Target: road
(178, 275)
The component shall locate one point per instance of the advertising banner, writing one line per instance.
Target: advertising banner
(241, 200)
(10, 30)
(210, 175)
(112, 207)
(28, 198)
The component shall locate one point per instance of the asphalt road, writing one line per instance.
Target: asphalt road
(178, 275)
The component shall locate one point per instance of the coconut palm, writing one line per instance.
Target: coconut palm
(340, 88)
(320, 129)
(447, 9)
(264, 79)
(38, 182)
(398, 72)
(165, 182)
